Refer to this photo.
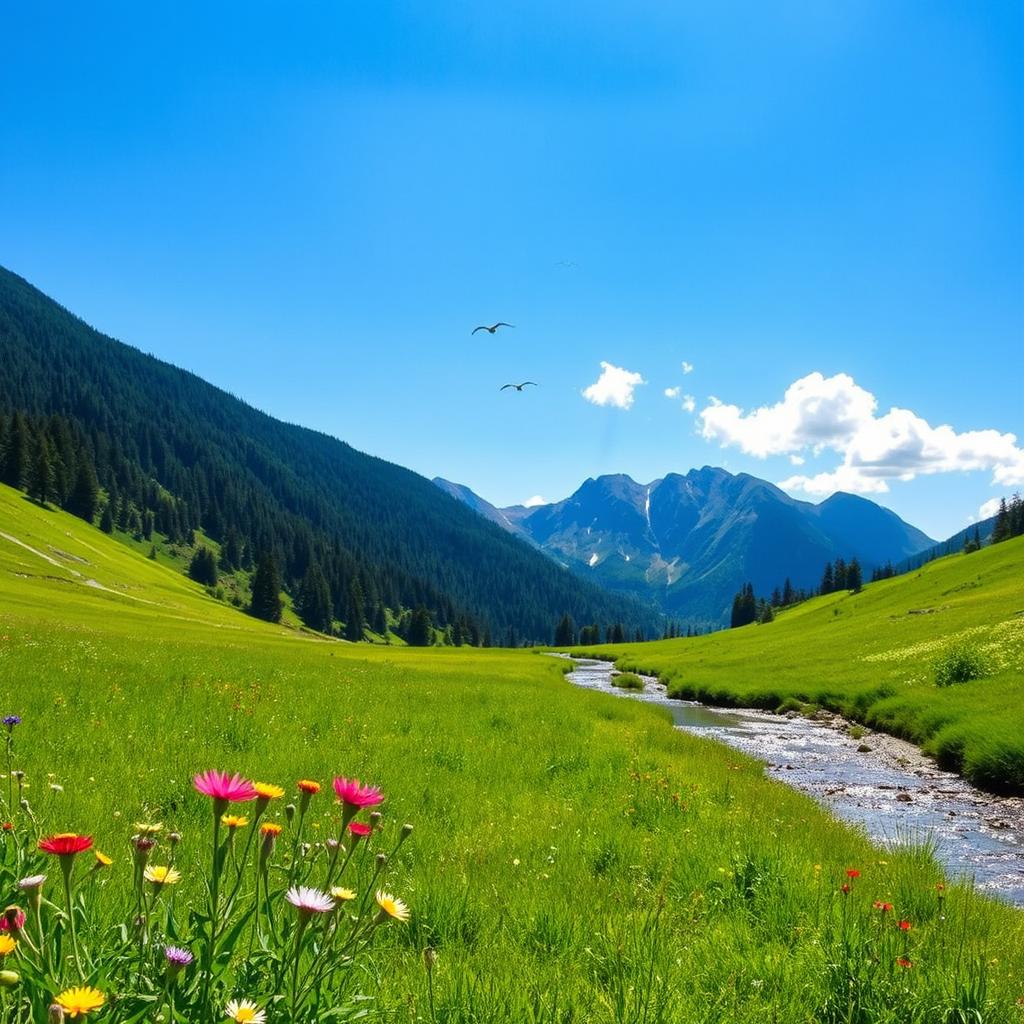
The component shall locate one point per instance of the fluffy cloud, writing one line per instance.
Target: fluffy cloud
(614, 387)
(689, 403)
(672, 392)
(989, 508)
(819, 413)
(536, 500)
(687, 367)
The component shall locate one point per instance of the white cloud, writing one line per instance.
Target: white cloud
(819, 413)
(989, 508)
(615, 387)
(687, 367)
(536, 500)
(672, 392)
(689, 403)
(797, 460)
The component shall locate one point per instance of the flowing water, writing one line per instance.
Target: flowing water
(891, 789)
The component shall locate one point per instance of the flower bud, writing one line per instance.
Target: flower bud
(289, 812)
(381, 859)
(174, 838)
(9, 978)
(406, 830)
(375, 819)
(429, 958)
(55, 1014)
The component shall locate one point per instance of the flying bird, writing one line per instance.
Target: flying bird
(492, 328)
(519, 387)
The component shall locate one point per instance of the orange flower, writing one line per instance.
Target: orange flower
(270, 828)
(309, 786)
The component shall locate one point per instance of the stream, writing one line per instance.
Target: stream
(886, 785)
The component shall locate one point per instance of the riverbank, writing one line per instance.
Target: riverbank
(888, 786)
(875, 658)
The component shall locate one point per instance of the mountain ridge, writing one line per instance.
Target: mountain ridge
(690, 540)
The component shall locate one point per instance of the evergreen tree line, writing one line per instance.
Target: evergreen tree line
(566, 634)
(100, 429)
(1009, 520)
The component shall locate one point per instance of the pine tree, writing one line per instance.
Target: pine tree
(85, 495)
(355, 616)
(421, 629)
(767, 613)
(41, 475)
(314, 605)
(827, 580)
(18, 455)
(618, 634)
(266, 590)
(788, 596)
(565, 632)
(107, 519)
(854, 577)
(203, 566)
(1001, 530)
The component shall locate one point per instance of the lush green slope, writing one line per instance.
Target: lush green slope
(167, 445)
(574, 859)
(874, 657)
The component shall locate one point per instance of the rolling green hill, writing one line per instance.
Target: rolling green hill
(574, 858)
(175, 454)
(875, 657)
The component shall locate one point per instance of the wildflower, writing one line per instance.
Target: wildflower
(308, 901)
(852, 873)
(245, 1011)
(149, 828)
(7, 945)
(903, 962)
(102, 860)
(391, 906)
(161, 875)
(289, 812)
(358, 830)
(31, 882)
(343, 895)
(270, 828)
(354, 796)
(77, 1002)
(55, 1014)
(233, 821)
(223, 789)
(174, 838)
(8, 826)
(309, 786)
(177, 960)
(845, 888)
(13, 920)
(65, 844)
(883, 907)
(11, 721)
(904, 926)
(266, 791)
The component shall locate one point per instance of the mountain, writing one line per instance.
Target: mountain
(690, 541)
(174, 454)
(983, 529)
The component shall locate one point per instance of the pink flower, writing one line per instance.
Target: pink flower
(224, 789)
(355, 796)
(308, 901)
(13, 920)
(358, 830)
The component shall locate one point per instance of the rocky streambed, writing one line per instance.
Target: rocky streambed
(882, 783)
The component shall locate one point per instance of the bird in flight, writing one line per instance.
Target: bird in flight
(519, 387)
(492, 328)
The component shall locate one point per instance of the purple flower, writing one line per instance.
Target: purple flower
(178, 956)
(11, 721)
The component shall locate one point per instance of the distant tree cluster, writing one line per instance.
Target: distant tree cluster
(841, 575)
(747, 608)
(1009, 520)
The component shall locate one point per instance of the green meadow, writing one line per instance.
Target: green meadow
(574, 858)
(876, 657)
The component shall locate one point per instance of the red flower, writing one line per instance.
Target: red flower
(8, 826)
(359, 830)
(309, 786)
(65, 844)
(852, 873)
(904, 926)
(845, 888)
(883, 907)
(904, 962)
(354, 795)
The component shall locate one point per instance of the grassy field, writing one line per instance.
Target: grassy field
(574, 858)
(875, 656)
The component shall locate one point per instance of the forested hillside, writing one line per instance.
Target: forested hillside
(106, 431)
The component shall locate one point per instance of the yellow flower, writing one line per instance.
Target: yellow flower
(343, 895)
(77, 1002)
(270, 828)
(159, 875)
(234, 821)
(245, 1011)
(391, 906)
(102, 860)
(267, 790)
(146, 829)
(7, 945)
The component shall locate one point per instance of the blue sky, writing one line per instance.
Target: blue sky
(312, 206)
